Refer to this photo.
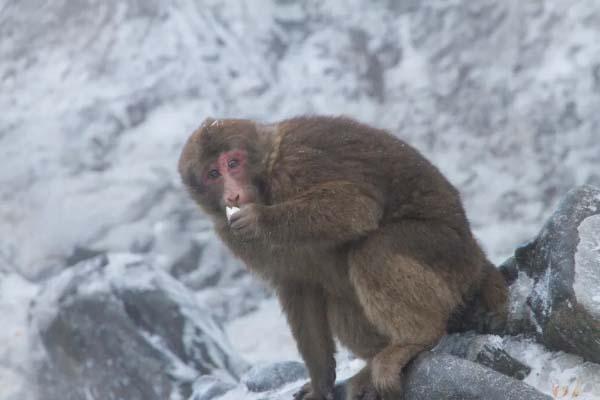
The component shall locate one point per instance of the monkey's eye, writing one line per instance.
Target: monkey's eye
(213, 174)
(233, 163)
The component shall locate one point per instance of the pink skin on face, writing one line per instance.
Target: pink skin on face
(230, 169)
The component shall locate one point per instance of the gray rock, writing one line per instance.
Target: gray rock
(209, 264)
(93, 347)
(273, 376)
(115, 327)
(485, 350)
(444, 377)
(209, 387)
(438, 376)
(80, 254)
(555, 293)
(188, 262)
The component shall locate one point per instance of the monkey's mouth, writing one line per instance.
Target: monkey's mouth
(229, 211)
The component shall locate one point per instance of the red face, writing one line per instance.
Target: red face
(231, 171)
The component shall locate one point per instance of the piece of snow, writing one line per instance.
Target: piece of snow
(518, 294)
(542, 292)
(229, 211)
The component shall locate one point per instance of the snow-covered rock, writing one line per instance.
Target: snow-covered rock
(556, 373)
(208, 387)
(556, 278)
(117, 327)
(272, 376)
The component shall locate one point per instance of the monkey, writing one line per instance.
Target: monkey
(361, 237)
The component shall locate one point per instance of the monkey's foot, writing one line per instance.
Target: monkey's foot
(386, 368)
(360, 386)
(306, 393)
(364, 393)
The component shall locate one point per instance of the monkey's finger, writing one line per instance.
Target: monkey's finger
(238, 216)
(240, 223)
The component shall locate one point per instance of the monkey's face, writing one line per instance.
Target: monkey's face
(219, 167)
(228, 177)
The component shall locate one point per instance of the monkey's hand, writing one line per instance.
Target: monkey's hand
(245, 223)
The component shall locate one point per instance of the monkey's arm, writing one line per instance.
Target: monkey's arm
(306, 311)
(333, 212)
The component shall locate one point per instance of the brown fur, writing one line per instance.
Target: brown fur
(362, 238)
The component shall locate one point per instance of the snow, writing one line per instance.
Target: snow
(263, 336)
(16, 359)
(229, 211)
(518, 294)
(587, 265)
(558, 374)
(178, 369)
(541, 294)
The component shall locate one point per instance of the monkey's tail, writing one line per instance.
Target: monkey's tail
(486, 309)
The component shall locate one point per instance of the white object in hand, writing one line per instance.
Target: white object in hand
(229, 211)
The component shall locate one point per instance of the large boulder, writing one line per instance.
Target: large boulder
(556, 278)
(439, 376)
(444, 377)
(116, 327)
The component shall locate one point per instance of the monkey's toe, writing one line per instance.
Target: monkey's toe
(361, 387)
(367, 393)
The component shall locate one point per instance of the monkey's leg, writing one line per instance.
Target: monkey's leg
(406, 299)
(413, 318)
(306, 311)
(352, 328)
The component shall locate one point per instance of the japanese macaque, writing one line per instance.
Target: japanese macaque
(361, 237)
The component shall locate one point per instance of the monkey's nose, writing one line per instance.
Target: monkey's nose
(233, 199)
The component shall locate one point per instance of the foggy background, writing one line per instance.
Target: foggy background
(97, 98)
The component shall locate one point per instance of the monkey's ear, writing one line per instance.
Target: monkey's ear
(209, 122)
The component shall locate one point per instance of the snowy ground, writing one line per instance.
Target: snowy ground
(98, 97)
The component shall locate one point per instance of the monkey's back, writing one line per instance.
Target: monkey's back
(409, 189)
(317, 150)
